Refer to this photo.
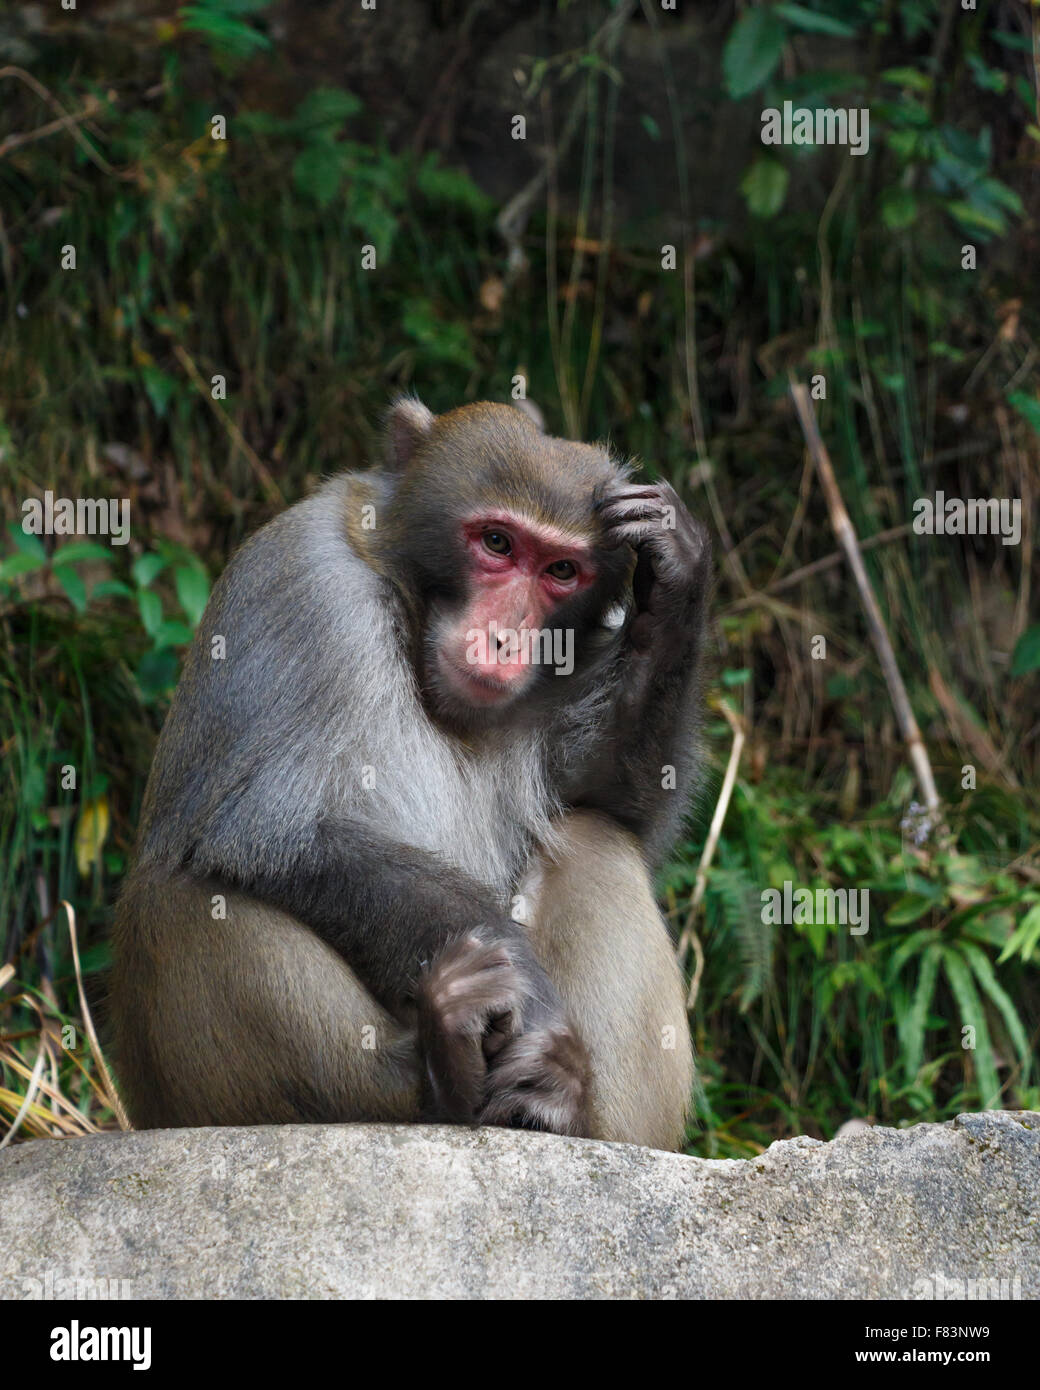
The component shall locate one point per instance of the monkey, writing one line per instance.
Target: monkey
(395, 855)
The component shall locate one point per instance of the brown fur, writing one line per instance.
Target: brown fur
(599, 935)
(254, 1020)
(251, 1020)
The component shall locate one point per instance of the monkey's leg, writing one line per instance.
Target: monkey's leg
(247, 1020)
(595, 927)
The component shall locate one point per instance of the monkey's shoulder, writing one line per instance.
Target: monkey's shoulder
(306, 562)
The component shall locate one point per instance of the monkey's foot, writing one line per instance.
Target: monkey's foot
(539, 1080)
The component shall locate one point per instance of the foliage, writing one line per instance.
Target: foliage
(240, 258)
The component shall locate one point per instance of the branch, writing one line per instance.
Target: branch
(689, 936)
(846, 537)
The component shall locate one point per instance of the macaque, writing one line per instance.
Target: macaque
(396, 848)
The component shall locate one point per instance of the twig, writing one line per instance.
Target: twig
(261, 470)
(846, 536)
(29, 137)
(88, 1024)
(689, 935)
(67, 121)
(825, 562)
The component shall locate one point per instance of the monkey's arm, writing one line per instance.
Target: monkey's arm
(432, 946)
(639, 769)
(385, 907)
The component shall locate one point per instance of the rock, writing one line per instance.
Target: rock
(391, 1211)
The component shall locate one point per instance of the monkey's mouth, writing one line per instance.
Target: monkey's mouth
(476, 688)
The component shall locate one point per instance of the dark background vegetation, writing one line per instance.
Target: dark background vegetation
(198, 257)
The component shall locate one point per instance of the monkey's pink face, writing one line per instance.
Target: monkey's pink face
(519, 572)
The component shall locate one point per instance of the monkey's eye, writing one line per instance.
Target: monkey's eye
(497, 542)
(562, 569)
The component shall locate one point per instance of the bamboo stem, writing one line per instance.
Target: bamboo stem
(847, 540)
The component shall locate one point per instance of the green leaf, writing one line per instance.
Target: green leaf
(997, 192)
(21, 563)
(326, 108)
(908, 908)
(111, 588)
(908, 77)
(917, 941)
(192, 592)
(444, 340)
(1021, 42)
(1027, 652)
(157, 672)
(898, 208)
(765, 186)
(814, 23)
(75, 589)
(731, 678)
(1027, 406)
(146, 567)
(150, 606)
(752, 50)
(989, 79)
(80, 550)
(972, 219)
(972, 1015)
(982, 968)
(318, 171)
(914, 1027)
(1025, 938)
(172, 634)
(95, 958)
(159, 387)
(34, 786)
(453, 186)
(223, 32)
(27, 542)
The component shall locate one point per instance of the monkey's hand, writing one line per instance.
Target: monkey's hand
(672, 568)
(651, 718)
(467, 1000)
(497, 1046)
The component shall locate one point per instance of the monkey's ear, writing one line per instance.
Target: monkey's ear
(407, 425)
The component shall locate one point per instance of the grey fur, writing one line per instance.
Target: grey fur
(367, 851)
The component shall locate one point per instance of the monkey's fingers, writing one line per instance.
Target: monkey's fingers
(634, 533)
(625, 510)
(499, 1030)
(539, 1081)
(468, 983)
(627, 492)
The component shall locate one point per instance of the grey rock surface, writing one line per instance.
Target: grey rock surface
(362, 1211)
